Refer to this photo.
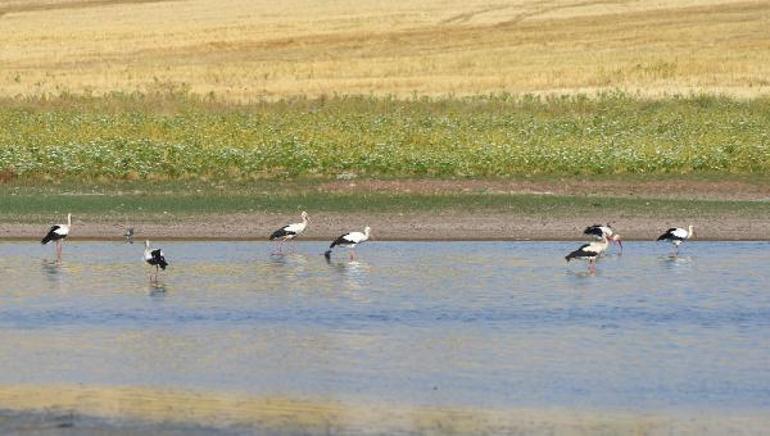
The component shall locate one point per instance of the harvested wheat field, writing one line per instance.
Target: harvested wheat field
(243, 50)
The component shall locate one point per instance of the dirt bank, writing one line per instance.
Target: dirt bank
(445, 225)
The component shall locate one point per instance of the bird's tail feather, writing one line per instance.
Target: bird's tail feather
(46, 239)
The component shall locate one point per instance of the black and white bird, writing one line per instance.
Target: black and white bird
(676, 235)
(58, 233)
(154, 258)
(350, 240)
(590, 252)
(289, 232)
(598, 231)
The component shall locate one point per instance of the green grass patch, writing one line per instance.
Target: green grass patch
(42, 205)
(185, 137)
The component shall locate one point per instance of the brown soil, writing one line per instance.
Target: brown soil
(447, 225)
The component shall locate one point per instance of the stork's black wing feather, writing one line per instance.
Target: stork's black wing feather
(594, 230)
(668, 235)
(51, 235)
(577, 253)
(159, 259)
(340, 241)
(281, 233)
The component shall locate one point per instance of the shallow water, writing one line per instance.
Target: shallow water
(489, 324)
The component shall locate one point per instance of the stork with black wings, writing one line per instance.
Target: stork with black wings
(676, 236)
(58, 233)
(349, 240)
(597, 231)
(154, 258)
(589, 252)
(289, 232)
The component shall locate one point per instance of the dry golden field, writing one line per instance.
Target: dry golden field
(244, 50)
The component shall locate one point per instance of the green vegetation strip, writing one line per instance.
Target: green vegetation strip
(184, 137)
(40, 207)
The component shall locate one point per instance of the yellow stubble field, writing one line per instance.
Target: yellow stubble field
(245, 50)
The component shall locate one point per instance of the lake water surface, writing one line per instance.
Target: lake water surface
(482, 324)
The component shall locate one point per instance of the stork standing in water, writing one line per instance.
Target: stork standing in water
(598, 231)
(349, 240)
(590, 252)
(676, 235)
(289, 232)
(154, 258)
(58, 233)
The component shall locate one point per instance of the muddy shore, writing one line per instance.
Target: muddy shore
(94, 410)
(443, 225)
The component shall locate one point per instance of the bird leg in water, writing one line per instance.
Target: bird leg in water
(289, 244)
(353, 255)
(278, 247)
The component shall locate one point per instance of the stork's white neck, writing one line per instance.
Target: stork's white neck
(605, 240)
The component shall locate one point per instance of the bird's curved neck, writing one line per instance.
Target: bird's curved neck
(69, 219)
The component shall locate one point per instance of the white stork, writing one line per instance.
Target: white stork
(676, 235)
(289, 232)
(598, 230)
(590, 252)
(58, 233)
(154, 258)
(349, 240)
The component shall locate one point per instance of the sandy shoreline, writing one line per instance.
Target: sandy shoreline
(446, 225)
(78, 409)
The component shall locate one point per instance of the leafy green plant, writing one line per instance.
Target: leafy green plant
(181, 136)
